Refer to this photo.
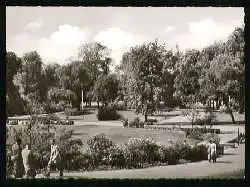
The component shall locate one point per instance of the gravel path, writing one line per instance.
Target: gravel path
(234, 159)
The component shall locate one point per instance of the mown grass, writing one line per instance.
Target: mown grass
(121, 135)
(238, 174)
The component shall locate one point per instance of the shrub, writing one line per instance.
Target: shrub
(208, 120)
(116, 157)
(107, 113)
(195, 133)
(224, 109)
(134, 123)
(125, 122)
(73, 112)
(119, 105)
(184, 151)
(140, 151)
(100, 147)
(198, 153)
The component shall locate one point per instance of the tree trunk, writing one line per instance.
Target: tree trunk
(230, 112)
(241, 101)
(146, 116)
(98, 104)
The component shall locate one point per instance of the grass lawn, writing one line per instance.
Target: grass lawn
(239, 174)
(121, 135)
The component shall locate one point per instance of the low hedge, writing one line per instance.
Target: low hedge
(73, 112)
(107, 113)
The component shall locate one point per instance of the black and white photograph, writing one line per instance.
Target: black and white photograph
(125, 93)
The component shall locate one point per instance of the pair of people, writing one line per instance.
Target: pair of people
(212, 153)
(23, 160)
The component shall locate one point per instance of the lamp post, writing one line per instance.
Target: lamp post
(82, 100)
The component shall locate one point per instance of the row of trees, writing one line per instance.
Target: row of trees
(212, 76)
(147, 75)
(51, 87)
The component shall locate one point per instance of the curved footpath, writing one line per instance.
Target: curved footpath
(233, 160)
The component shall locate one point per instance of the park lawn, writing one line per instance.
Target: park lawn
(238, 174)
(121, 135)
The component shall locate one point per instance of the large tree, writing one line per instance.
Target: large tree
(96, 61)
(32, 76)
(14, 102)
(142, 71)
(106, 88)
(186, 82)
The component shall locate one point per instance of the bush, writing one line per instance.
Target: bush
(73, 112)
(184, 151)
(195, 133)
(125, 122)
(134, 123)
(116, 157)
(100, 147)
(107, 113)
(140, 151)
(198, 153)
(119, 105)
(208, 120)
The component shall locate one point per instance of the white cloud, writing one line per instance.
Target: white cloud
(34, 24)
(204, 33)
(169, 29)
(118, 41)
(57, 47)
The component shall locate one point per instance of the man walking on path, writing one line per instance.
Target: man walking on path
(211, 151)
(54, 159)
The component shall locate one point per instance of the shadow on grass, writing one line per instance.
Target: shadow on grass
(229, 154)
(223, 162)
(79, 133)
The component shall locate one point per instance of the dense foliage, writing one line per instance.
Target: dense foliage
(107, 113)
(148, 75)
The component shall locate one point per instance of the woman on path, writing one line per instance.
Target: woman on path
(212, 151)
(54, 159)
(17, 159)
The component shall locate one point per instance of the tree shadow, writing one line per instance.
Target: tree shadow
(229, 154)
(223, 162)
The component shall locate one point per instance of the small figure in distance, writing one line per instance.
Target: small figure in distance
(212, 151)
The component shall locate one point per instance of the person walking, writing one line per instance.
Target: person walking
(28, 162)
(212, 151)
(55, 159)
(17, 159)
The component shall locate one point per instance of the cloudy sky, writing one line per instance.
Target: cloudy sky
(57, 32)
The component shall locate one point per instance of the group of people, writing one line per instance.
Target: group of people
(23, 165)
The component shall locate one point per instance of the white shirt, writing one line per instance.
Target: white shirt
(54, 153)
(212, 148)
(25, 155)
